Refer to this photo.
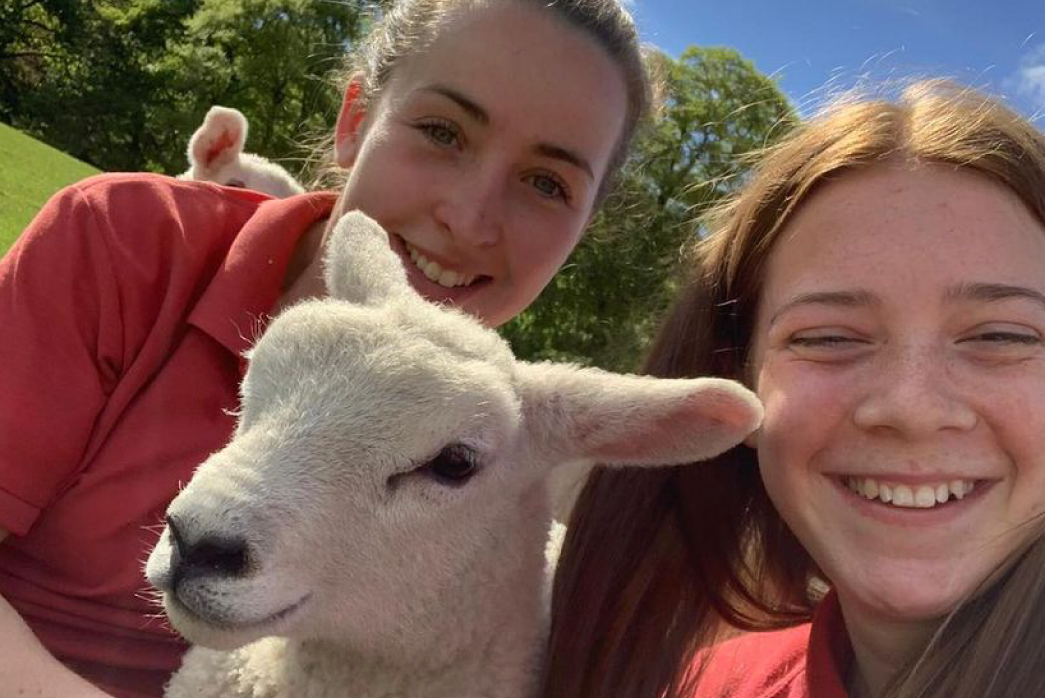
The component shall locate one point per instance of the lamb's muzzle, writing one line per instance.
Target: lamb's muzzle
(198, 561)
(196, 555)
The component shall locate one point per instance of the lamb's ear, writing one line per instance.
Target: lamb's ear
(586, 413)
(359, 265)
(218, 141)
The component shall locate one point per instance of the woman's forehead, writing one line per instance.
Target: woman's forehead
(885, 224)
(528, 69)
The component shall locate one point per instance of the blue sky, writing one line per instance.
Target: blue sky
(815, 45)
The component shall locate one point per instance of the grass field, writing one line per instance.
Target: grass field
(29, 173)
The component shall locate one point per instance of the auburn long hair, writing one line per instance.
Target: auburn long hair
(658, 564)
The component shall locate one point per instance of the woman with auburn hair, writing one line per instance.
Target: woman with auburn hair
(880, 282)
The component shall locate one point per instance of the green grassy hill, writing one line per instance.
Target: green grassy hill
(30, 172)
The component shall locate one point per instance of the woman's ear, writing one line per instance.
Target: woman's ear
(348, 134)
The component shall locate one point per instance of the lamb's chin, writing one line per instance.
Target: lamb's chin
(222, 632)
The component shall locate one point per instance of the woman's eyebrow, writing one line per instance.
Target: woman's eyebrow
(476, 112)
(568, 156)
(992, 292)
(982, 292)
(469, 106)
(846, 299)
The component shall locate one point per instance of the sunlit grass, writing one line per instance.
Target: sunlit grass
(30, 172)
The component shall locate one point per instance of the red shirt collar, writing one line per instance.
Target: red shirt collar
(830, 652)
(235, 306)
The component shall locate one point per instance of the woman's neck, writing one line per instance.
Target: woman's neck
(881, 648)
(304, 276)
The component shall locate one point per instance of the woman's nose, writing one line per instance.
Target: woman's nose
(470, 209)
(914, 393)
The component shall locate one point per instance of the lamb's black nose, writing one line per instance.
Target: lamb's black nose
(205, 555)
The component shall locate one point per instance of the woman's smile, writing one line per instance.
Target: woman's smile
(897, 501)
(442, 274)
(452, 283)
(929, 494)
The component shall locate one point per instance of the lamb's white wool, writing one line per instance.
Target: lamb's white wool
(216, 155)
(377, 525)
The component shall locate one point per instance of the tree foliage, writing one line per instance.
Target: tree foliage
(122, 84)
(80, 78)
(605, 304)
(272, 59)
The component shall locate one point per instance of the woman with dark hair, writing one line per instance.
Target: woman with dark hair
(880, 282)
(481, 134)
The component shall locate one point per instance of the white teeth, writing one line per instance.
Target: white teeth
(960, 488)
(431, 269)
(870, 488)
(925, 497)
(902, 496)
(910, 497)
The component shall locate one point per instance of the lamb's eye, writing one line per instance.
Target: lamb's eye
(238, 183)
(454, 465)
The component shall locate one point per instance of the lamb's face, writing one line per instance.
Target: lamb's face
(249, 171)
(367, 457)
(388, 462)
(216, 155)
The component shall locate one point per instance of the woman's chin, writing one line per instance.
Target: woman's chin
(901, 601)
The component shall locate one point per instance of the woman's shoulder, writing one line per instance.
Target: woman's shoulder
(141, 213)
(755, 665)
(137, 229)
(804, 661)
(145, 193)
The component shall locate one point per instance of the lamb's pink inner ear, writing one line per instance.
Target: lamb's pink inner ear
(225, 141)
(704, 417)
(582, 413)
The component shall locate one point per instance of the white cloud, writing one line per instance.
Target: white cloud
(1028, 82)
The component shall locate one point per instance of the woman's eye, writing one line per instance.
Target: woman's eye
(1006, 338)
(826, 341)
(827, 347)
(1002, 344)
(440, 132)
(549, 187)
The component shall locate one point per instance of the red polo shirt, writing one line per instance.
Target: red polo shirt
(125, 308)
(807, 661)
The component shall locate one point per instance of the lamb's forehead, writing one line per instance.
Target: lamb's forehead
(453, 330)
(389, 373)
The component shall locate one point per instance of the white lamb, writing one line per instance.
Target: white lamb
(376, 525)
(216, 155)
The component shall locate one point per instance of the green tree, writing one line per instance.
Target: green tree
(272, 59)
(604, 306)
(81, 79)
(29, 32)
(122, 84)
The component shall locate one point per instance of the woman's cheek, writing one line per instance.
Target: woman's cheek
(804, 409)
